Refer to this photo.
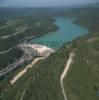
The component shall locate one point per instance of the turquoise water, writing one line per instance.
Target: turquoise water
(68, 31)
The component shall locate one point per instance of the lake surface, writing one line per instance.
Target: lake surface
(67, 32)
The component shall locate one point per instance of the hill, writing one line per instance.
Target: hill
(42, 82)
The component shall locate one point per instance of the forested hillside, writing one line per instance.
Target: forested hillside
(19, 29)
(42, 82)
(82, 81)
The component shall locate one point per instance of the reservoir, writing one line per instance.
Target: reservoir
(67, 32)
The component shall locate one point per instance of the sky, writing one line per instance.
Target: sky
(40, 3)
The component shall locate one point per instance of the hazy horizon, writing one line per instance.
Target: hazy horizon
(43, 3)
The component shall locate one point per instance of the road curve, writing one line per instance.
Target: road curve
(63, 75)
(6, 51)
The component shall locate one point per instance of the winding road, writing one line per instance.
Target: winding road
(3, 52)
(12, 66)
(63, 75)
(19, 42)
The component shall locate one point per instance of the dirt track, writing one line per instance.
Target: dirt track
(67, 66)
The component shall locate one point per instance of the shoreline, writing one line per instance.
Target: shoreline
(29, 39)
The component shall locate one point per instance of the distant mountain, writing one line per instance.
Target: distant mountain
(94, 5)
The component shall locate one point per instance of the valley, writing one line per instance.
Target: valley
(64, 74)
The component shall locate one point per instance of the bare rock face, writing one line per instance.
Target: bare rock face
(36, 50)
